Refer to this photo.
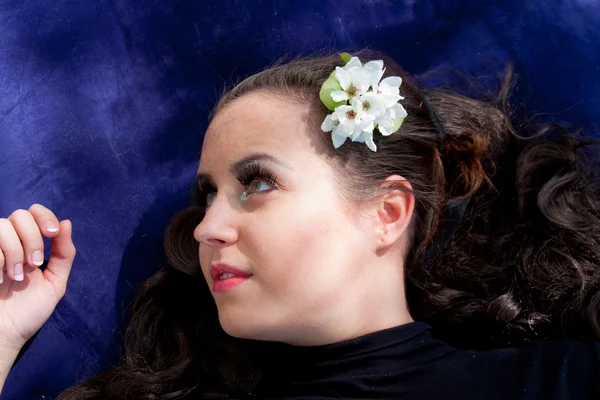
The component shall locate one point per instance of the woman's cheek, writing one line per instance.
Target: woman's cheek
(205, 255)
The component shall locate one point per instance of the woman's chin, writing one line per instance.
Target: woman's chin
(241, 325)
(246, 327)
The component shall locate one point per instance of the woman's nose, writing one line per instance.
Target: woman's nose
(216, 228)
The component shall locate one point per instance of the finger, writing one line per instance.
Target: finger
(61, 258)
(1, 266)
(46, 220)
(31, 238)
(12, 249)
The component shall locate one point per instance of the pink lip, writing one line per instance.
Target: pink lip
(223, 285)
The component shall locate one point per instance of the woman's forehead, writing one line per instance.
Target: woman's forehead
(258, 122)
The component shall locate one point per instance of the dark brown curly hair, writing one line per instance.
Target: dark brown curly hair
(523, 265)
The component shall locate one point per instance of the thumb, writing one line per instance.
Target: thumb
(61, 258)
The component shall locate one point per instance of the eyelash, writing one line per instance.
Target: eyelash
(250, 174)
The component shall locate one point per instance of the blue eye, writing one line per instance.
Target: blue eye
(210, 198)
(259, 186)
(255, 187)
(256, 179)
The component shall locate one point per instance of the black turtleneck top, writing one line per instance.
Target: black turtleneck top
(407, 362)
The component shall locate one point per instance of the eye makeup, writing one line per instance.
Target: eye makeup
(256, 171)
(205, 186)
(250, 172)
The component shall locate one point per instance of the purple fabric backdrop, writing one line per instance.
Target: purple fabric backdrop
(103, 105)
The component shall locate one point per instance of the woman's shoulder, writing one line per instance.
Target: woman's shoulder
(576, 354)
(546, 370)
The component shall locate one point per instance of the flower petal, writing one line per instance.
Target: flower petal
(367, 126)
(343, 77)
(393, 81)
(356, 104)
(390, 99)
(342, 115)
(353, 63)
(361, 80)
(357, 137)
(328, 124)
(339, 95)
(397, 111)
(375, 66)
(342, 131)
(377, 103)
(385, 125)
(375, 71)
(369, 142)
(338, 140)
(366, 138)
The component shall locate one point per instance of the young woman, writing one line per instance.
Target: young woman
(339, 217)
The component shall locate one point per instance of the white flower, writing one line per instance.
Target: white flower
(375, 71)
(339, 134)
(385, 123)
(367, 138)
(373, 104)
(348, 122)
(362, 101)
(356, 79)
(389, 88)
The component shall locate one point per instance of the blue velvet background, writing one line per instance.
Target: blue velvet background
(103, 105)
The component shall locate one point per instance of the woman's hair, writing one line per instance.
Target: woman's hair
(522, 266)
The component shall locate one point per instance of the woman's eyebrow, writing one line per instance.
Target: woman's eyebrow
(255, 158)
(244, 163)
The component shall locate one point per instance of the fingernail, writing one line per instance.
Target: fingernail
(1, 275)
(51, 227)
(18, 272)
(37, 258)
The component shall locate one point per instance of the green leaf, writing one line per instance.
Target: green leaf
(330, 85)
(346, 57)
(397, 124)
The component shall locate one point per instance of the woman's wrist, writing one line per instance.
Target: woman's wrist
(9, 350)
(8, 355)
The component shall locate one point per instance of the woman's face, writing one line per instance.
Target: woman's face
(276, 216)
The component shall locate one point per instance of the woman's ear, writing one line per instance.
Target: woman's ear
(394, 211)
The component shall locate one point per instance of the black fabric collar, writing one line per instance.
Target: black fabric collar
(362, 367)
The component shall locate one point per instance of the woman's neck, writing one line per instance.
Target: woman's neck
(376, 303)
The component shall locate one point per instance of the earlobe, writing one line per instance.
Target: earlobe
(394, 211)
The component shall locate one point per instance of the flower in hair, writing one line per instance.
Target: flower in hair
(361, 102)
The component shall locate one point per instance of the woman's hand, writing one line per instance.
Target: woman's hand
(28, 296)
